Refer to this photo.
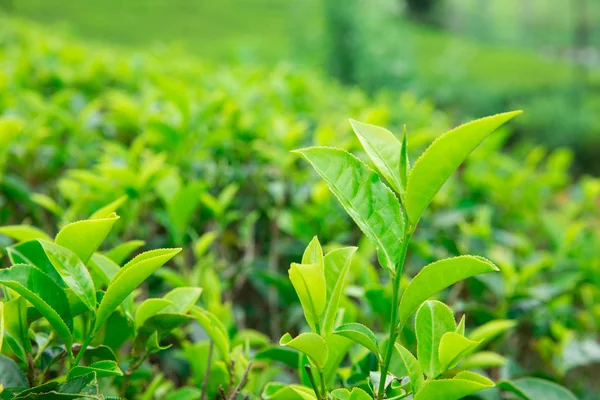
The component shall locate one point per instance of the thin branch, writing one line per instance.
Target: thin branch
(311, 378)
(242, 383)
(207, 373)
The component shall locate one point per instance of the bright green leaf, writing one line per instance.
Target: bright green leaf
(337, 264)
(101, 368)
(483, 359)
(182, 299)
(109, 209)
(438, 276)
(360, 334)
(453, 348)
(491, 330)
(309, 283)
(370, 203)
(73, 273)
(433, 320)
(22, 233)
(45, 295)
(214, 329)
(415, 372)
(462, 385)
(128, 279)
(149, 308)
(443, 157)
(84, 237)
(282, 391)
(119, 253)
(384, 149)
(309, 343)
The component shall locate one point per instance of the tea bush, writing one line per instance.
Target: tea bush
(197, 157)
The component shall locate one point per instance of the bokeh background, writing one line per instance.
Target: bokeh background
(470, 57)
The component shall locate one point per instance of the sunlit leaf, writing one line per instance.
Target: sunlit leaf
(309, 343)
(84, 237)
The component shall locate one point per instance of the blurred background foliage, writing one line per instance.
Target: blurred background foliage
(200, 149)
(470, 57)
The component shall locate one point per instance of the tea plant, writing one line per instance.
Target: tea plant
(69, 310)
(388, 218)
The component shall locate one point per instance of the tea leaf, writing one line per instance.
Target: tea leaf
(22, 233)
(45, 295)
(214, 329)
(415, 372)
(119, 253)
(182, 299)
(282, 391)
(443, 157)
(72, 272)
(309, 283)
(309, 343)
(490, 330)
(149, 308)
(313, 254)
(337, 264)
(360, 334)
(33, 253)
(483, 359)
(11, 376)
(370, 203)
(454, 347)
(384, 149)
(438, 276)
(101, 368)
(535, 388)
(128, 279)
(107, 210)
(84, 237)
(463, 384)
(433, 320)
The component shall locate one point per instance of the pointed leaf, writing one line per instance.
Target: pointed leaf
(313, 254)
(462, 385)
(535, 388)
(33, 253)
(214, 329)
(22, 233)
(182, 299)
(415, 372)
(443, 157)
(72, 272)
(309, 343)
(433, 320)
(149, 308)
(337, 264)
(310, 286)
(370, 203)
(453, 348)
(483, 359)
(101, 368)
(384, 149)
(491, 330)
(119, 253)
(128, 279)
(282, 391)
(45, 295)
(107, 210)
(84, 237)
(438, 276)
(360, 334)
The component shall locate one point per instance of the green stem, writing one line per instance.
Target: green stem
(312, 381)
(84, 346)
(394, 329)
(323, 387)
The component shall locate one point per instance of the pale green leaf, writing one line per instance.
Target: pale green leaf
(384, 149)
(438, 276)
(309, 343)
(119, 253)
(535, 388)
(412, 366)
(453, 348)
(283, 391)
(433, 320)
(463, 384)
(44, 294)
(309, 282)
(128, 279)
(337, 264)
(109, 209)
(443, 157)
(148, 308)
(22, 233)
(84, 237)
(73, 273)
(370, 203)
(360, 334)
(182, 299)
(483, 359)
(491, 330)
